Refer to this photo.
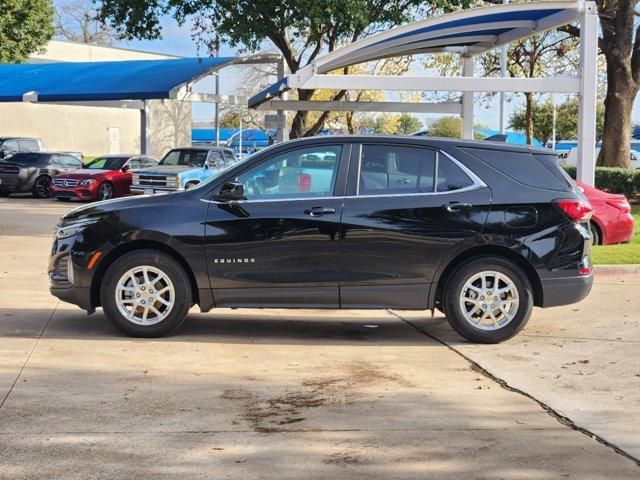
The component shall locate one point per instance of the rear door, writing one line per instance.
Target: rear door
(408, 208)
(280, 246)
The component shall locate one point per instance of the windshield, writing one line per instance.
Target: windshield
(24, 158)
(107, 163)
(187, 158)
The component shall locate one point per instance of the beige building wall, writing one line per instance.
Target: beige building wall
(96, 130)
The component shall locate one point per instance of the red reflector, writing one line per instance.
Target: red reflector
(585, 267)
(304, 182)
(576, 210)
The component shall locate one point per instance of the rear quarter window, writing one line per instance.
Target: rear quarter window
(523, 167)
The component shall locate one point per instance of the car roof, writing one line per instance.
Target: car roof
(201, 149)
(430, 141)
(18, 138)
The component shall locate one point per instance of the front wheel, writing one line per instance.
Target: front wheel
(146, 293)
(105, 192)
(488, 299)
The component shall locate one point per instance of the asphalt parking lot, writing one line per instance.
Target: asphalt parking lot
(307, 393)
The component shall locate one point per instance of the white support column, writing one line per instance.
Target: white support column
(145, 129)
(282, 133)
(467, 100)
(588, 95)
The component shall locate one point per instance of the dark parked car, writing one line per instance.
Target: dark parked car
(103, 178)
(11, 145)
(32, 172)
(483, 232)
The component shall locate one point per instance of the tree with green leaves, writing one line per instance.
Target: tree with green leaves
(25, 28)
(301, 30)
(566, 120)
(408, 124)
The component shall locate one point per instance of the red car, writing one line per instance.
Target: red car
(105, 177)
(611, 221)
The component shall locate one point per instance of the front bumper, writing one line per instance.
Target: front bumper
(141, 190)
(565, 290)
(70, 278)
(79, 193)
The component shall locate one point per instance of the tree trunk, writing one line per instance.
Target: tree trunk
(529, 117)
(299, 123)
(621, 93)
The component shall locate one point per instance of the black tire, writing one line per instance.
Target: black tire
(454, 289)
(42, 187)
(166, 264)
(105, 191)
(594, 231)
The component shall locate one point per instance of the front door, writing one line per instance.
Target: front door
(280, 245)
(410, 208)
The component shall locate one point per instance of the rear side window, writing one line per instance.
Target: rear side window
(523, 167)
(27, 145)
(388, 169)
(551, 161)
(451, 176)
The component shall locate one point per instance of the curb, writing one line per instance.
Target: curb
(611, 270)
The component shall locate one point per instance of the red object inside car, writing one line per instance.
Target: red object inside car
(611, 221)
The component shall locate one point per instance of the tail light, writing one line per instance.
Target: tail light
(304, 183)
(576, 210)
(620, 203)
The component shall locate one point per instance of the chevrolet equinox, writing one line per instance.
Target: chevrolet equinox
(482, 231)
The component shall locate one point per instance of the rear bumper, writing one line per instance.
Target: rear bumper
(565, 290)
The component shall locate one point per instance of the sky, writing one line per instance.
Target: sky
(177, 41)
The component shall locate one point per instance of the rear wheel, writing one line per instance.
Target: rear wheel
(146, 293)
(42, 187)
(105, 191)
(594, 231)
(488, 299)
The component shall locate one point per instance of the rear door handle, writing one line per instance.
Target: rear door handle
(319, 211)
(454, 207)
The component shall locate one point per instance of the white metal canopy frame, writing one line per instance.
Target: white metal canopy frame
(469, 33)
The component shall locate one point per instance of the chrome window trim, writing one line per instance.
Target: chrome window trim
(477, 184)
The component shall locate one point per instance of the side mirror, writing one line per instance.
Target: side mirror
(206, 164)
(3, 153)
(126, 168)
(231, 191)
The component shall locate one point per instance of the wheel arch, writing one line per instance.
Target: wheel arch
(480, 250)
(599, 227)
(142, 244)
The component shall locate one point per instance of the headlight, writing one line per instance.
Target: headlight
(88, 181)
(65, 230)
(173, 182)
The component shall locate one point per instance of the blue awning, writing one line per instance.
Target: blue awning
(103, 81)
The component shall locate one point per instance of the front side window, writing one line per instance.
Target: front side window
(107, 163)
(189, 158)
(27, 145)
(303, 173)
(392, 169)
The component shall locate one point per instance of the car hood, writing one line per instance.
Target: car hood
(98, 209)
(80, 174)
(165, 170)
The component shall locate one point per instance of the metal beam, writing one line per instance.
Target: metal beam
(588, 95)
(213, 98)
(282, 134)
(145, 129)
(445, 84)
(467, 100)
(122, 104)
(450, 108)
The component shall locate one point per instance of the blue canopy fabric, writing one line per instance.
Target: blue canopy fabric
(208, 135)
(98, 81)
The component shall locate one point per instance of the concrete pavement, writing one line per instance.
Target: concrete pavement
(269, 394)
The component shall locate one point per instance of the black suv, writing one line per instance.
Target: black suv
(482, 231)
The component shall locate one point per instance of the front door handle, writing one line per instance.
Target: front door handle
(454, 207)
(319, 211)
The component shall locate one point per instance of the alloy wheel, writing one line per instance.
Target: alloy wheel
(105, 192)
(145, 295)
(489, 300)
